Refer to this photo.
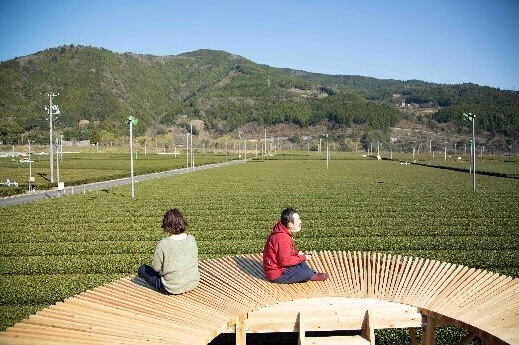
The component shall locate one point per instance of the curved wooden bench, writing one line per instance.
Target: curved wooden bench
(365, 291)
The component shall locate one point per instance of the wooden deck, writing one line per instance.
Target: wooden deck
(366, 291)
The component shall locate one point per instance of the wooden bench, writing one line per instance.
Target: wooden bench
(366, 291)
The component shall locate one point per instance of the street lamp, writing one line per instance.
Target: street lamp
(192, 149)
(57, 165)
(239, 145)
(187, 151)
(30, 167)
(51, 110)
(327, 152)
(132, 121)
(472, 118)
(265, 153)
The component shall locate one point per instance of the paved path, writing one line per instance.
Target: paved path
(53, 193)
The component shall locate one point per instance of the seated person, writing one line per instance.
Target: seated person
(281, 262)
(174, 268)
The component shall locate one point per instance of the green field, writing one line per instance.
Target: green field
(507, 165)
(54, 249)
(81, 167)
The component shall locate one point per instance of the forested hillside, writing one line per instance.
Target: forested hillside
(99, 89)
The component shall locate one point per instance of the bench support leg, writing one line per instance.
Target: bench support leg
(429, 336)
(467, 339)
(241, 331)
(368, 331)
(412, 335)
(301, 337)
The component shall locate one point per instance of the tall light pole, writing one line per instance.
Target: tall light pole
(187, 151)
(327, 152)
(30, 166)
(239, 145)
(472, 118)
(132, 121)
(57, 164)
(51, 110)
(192, 150)
(265, 143)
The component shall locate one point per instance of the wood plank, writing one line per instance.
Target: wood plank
(332, 314)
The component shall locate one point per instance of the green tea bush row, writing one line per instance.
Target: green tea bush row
(233, 242)
(22, 289)
(84, 168)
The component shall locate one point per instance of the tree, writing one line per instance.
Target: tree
(347, 144)
(373, 137)
(164, 139)
(106, 137)
(142, 140)
(95, 137)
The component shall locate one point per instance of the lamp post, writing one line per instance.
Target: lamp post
(30, 166)
(264, 154)
(472, 118)
(192, 149)
(187, 150)
(327, 152)
(239, 145)
(57, 165)
(132, 121)
(51, 110)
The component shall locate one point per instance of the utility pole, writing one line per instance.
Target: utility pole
(51, 110)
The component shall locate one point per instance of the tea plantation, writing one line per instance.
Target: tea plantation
(57, 248)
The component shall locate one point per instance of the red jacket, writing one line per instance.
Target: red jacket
(279, 252)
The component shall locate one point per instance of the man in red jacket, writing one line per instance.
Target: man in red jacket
(281, 262)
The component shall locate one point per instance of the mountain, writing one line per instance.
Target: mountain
(99, 89)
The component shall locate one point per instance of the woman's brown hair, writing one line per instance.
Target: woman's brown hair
(173, 222)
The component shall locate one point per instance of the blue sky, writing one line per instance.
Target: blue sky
(451, 41)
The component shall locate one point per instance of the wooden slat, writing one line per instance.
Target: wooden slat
(414, 268)
(418, 290)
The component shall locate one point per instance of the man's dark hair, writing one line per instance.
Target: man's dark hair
(287, 216)
(173, 222)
